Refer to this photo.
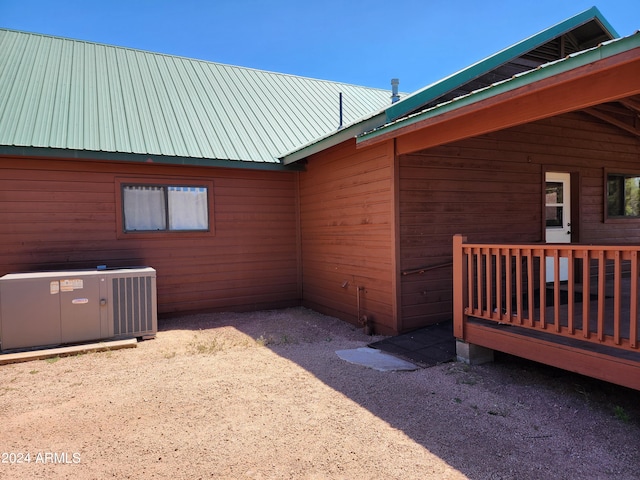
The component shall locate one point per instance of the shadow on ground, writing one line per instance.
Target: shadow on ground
(509, 419)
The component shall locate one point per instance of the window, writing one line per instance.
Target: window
(554, 204)
(164, 207)
(623, 196)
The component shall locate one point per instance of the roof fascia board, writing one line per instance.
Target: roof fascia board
(613, 79)
(604, 23)
(549, 70)
(421, 97)
(63, 154)
(333, 139)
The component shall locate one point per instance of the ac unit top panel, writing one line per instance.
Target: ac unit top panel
(147, 271)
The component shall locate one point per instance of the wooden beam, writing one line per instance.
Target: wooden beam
(621, 371)
(632, 103)
(628, 127)
(30, 355)
(602, 81)
(460, 283)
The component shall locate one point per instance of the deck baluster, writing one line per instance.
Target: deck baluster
(586, 293)
(633, 302)
(602, 277)
(617, 297)
(571, 290)
(490, 290)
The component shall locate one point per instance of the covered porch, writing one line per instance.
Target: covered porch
(570, 306)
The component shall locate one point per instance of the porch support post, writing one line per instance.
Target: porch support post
(465, 352)
(459, 286)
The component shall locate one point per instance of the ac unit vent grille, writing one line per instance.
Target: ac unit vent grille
(132, 305)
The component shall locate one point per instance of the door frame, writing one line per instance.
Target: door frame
(559, 232)
(573, 204)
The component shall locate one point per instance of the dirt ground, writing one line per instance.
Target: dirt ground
(263, 395)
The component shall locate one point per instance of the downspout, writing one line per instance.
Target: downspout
(299, 272)
(364, 320)
(396, 284)
(367, 325)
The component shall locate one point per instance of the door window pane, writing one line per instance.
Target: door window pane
(554, 216)
(554, 192)
(554, 204)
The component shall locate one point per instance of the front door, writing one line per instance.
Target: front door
(558, 217)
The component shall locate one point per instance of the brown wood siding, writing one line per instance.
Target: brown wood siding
(347, 229)
(62, 215)
(490, 188)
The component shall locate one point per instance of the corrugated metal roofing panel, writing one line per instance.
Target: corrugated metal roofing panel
(69, 94)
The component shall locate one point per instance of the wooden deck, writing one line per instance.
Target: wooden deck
(586, 323)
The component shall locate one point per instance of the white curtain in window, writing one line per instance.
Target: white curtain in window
(188, 208)
(144, 208)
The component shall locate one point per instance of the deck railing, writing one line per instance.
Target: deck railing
(585, 292)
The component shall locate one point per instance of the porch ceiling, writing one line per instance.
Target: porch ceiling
(624, 113)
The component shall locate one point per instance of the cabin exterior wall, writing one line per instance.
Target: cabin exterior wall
(490, 188)
(62, 214)
(347, 215)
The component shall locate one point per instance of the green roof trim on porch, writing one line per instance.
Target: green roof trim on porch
(335, 138)
(435, 90)
(605, 50)
(421, 98)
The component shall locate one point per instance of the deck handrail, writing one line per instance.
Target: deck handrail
(421, 270)
(507, 284)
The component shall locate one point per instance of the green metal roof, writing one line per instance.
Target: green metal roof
(579, 59)
(65, 97)
(580, 32)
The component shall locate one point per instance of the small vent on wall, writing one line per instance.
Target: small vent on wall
(132, 305)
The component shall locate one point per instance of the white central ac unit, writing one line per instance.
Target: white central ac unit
(55, 308)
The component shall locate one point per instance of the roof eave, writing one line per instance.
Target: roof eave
(335, 138)
(421, 97)
(476, 99)
(433, 91)
(67, 154)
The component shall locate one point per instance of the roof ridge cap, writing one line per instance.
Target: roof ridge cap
(192, 59)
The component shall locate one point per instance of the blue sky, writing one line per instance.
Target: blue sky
(360, 42)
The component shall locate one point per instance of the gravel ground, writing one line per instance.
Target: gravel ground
(263, 395)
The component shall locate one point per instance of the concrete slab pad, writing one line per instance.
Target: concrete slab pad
(376, 359)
